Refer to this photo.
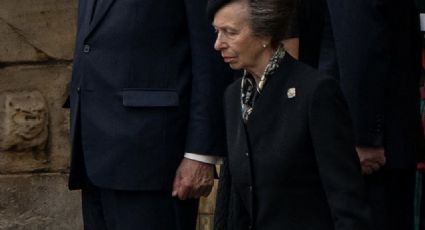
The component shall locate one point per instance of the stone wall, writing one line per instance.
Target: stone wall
(36, 49)
(36, 44)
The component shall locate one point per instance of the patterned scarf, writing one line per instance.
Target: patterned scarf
(250, 91)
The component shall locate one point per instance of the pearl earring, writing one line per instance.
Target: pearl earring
(264, 45)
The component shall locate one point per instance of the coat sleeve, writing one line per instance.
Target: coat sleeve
(210, 76)
(337, 161)
(362, 44)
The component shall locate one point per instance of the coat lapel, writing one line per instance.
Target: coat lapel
(100, 11)
(273, 90)
(271, 109)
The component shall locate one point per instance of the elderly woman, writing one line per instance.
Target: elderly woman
(291, 160)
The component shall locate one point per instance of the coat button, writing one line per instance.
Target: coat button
(250, 188)
(86, 49)
(78, 89)
(247, 154)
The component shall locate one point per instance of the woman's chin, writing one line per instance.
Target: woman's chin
(234, 66)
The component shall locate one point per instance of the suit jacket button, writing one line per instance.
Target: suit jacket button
(86, 49)
(250, 188)
(247, 154)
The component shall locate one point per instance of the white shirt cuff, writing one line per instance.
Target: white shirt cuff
(204, 158)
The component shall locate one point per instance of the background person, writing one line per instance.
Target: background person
(373, 48)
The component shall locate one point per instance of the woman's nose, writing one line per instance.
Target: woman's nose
(219, 44)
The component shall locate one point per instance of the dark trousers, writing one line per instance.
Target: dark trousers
(391, 197)
(105, 209)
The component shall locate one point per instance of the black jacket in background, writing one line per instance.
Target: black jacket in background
(378, 51)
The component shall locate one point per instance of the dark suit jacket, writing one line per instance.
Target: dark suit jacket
(293, 166)
(378, 52)
(146, 88)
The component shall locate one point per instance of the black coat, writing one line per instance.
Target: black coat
(146, 87)
(293, 165)
(377, 45)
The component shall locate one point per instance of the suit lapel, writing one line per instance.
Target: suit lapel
(89, 10)
(85, 15)
(101, 8)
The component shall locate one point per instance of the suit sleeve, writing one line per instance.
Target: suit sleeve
(362, 46)
(205, 133)
(337, 161)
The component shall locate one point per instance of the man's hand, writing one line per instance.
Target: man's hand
(371, 159)
(193, 179)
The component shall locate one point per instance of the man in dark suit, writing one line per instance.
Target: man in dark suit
(372, 46)
(145, 112)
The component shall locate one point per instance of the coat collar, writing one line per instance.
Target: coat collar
(273, 89)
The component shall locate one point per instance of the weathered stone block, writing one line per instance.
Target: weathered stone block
(206, 210)
(205, 222)
(35, 30)
(23, 121)
(52, 82)
(14, 48)
(31, 202)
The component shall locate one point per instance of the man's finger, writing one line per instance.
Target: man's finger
(183, 193)
(376, 167)
(176, 186)
(201, 191)
(369, 167)
(197, 192)
(366, 170)
(205, 192)
(382, 160)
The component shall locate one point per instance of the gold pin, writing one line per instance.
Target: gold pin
(291, 93)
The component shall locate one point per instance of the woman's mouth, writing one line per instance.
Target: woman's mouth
(227, 59)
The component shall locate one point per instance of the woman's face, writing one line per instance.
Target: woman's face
(238, 46)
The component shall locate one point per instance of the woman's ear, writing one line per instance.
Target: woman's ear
(266, 42)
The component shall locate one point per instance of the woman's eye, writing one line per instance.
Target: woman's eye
(231, 32)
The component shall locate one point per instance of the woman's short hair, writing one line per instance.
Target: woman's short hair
(267, 18)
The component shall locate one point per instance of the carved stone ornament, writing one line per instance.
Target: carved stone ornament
(23, 121)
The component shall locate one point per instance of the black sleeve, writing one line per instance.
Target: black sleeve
(366, 53)
(337, 161)
(210, 76)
